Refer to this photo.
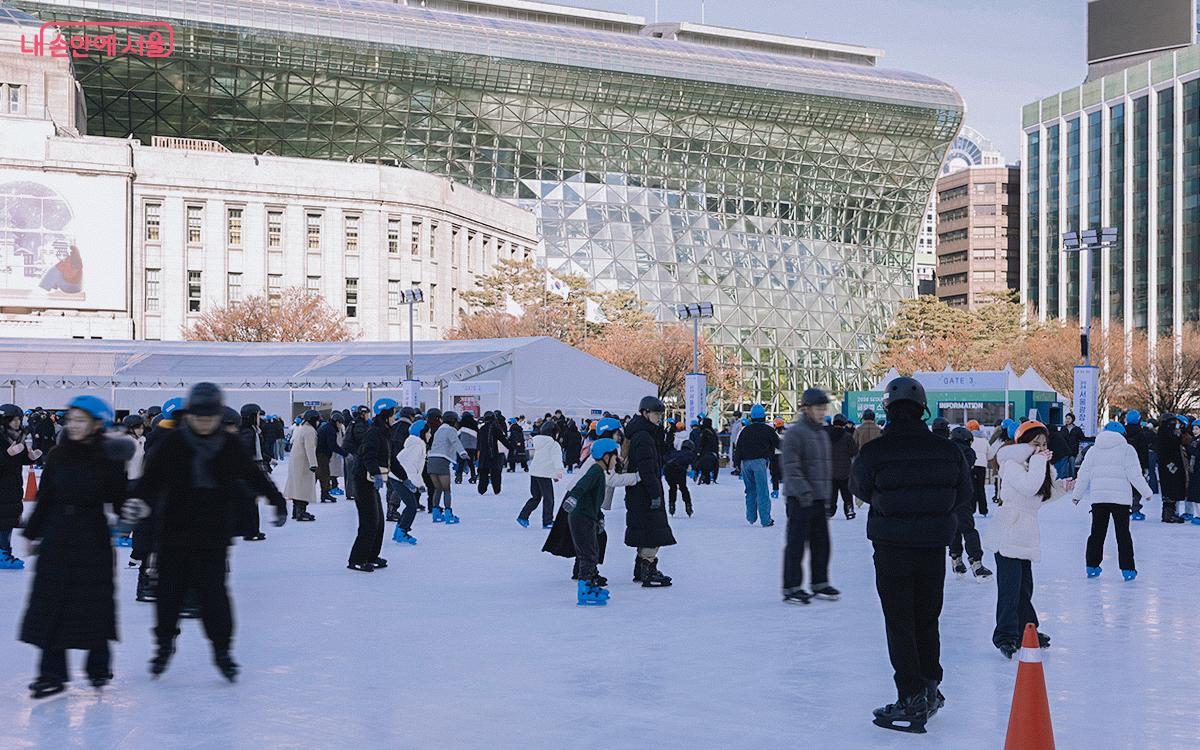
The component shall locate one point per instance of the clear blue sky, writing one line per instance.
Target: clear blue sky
(999, 54)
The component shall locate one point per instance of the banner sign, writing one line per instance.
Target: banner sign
(1084, 404)
(695, 395)
(411, 393)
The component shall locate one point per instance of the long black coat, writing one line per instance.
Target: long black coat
(560, 543)
(645, 526)
(516, 443)
(12, 493)
(1172, 477)
(71, 604)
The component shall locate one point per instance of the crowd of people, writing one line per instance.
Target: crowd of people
(178, 483)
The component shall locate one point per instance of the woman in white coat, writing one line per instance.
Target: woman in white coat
(1026, 483)
(1107, 478)
(301, 487)
(545, 469)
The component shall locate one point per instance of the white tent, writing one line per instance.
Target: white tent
(528, 376)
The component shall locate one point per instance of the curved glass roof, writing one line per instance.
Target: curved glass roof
(14, 17)
(391, 24)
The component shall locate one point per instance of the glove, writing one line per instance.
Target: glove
(15, 448)
(134, 510)
(313, 469)
(35, 454)
(656, 502)
(281, 515)
(408, 485)
(378, 480)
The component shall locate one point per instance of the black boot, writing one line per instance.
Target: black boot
(933, 697)
(652, 578)
(162, 658)
(907, 715)
(44, 687)
(638, 566)
(1168, 513)
(225, 664)
(147, 584)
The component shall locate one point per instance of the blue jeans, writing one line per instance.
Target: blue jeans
(757, 480)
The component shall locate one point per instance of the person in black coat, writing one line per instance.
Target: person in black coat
(254, 442)
(842, 450)
(375, 463)
(647, 527)
(1172, 472)
(915, 483)
(356, 428)
(71, 603)
(328, 447)
(675, 472)
(966, 534)
(192, 478)
(492, 434)
(572, 445)
(518, 452)
(14, 457)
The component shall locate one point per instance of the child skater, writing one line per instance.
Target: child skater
(586, 520)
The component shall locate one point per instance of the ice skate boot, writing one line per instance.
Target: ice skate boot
(437, 515)
(959, 567)
(524, 522)
(1129, 575)
(1187, 516)
(124, 541)
(400, 536)
(797, 597)
(392, 516)
(1137, 515)
(226, 665)
(908, 715)
(1094, 572)
(934, 698)
(638, 566)
(147, 585)
(9, 562)
(775, 494)
(826, 592)
(161, 659)
(688, 509)
(100, 681)
(981, 573)
(547, 526)
(45, 688)
(1043, 640)
(652, 577)
(589, 595)
(361, 567)
(337, 492)
(379, 563)
(452, 519)
(1008, 649)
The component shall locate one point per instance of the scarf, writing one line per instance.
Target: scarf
(204, 452)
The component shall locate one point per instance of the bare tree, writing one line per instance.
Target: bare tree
(298, 315)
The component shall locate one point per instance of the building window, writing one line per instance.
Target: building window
(312, 232)
(274, 230)
(433, 227)
(13, 95)
(393, 301)
(351, 298)
(193, 291)
(470, 249)
(952, 193)
(951, 215)
(195, 223)
(958, 257)
(983, 232)
(393, 236)
(954, 279)
(233, 227)
(454, 232)
(984, 275)
(984, 188)
(233, 288)
(153, 290)
(313, 284)
(153, 222)
(415, 239)
(351, 233)
(957, 234)
(274, 288)
(984, 209)
(985, 254)
(431, 301)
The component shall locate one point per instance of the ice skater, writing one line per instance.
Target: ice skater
(301, 487)
(15, 455)
(647, 527)
(966, 534)
(545, 469)
(676, 473)
(1110, 472)
(444, 450)
(583, 504)
(411, 461)
(807, 484)
(373, 467)
(756, 443)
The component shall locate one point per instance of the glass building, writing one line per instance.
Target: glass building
(1122, 150)
(782, 180)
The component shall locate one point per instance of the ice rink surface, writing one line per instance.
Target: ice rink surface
(472, 639)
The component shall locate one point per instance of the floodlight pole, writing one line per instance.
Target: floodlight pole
(408, 369)
(1085, 243)
(696, 344)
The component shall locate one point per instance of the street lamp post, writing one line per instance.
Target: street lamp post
(696, 383)
(1087, 376)
(412, 386)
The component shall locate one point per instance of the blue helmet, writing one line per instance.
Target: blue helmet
(758, 412)
(828, 419)
(512, 420)
(1115, 427)
(170, 406)
(94, 407)
(607, 426)
(603, 447)
(417, 428)
(1133, 416)
(385, 404)
(693, 423)
(1184, 420)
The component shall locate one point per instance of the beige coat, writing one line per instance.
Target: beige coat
(301, 481)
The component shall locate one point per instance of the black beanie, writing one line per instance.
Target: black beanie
(205, 400)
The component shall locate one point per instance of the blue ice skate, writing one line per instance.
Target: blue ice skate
(437, 515)
(1129, 575)
(1196, 521)
(1187, 517)
(1093, 572)
(775, 494)
(524, 522)
(337, 492)
(591, 596)
(450, 518)
(1137, 515)
(8, 562)
(124, 541)
(547, 526)
(403, 537)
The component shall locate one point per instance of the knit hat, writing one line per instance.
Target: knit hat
(205, 400)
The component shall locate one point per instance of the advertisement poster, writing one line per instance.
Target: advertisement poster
(695, 392)
(467, 403)
(1087, 386)
(62, 240)
(476, 396)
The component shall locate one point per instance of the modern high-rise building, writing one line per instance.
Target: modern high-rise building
(978, 231)
(1121, 150)
(781, 179)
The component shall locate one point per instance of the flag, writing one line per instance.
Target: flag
(557, 286)
(512, 308)
(593, 313)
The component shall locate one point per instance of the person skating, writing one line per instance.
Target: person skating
(983, 454)
(71, 603)
(444, 450)
(373, 466)
(132, 426)
(807, 486)
(752, 452)
(301, 486)
(1172, 472)
(398, 436)
(1028, 484)
(676, 473)
(572, 444)
(647, 528)
(468, 435)
(1109, 472)
(192, 477)
(1192, 507)
(915, 483)
(254, 442)
(583, 504)
(1138, 437)
(15, 455)
(776, 468)
(842, 450)
(356, 428)
(545, 469)
(409, 463)
(329, 437)
(965, 534)
(518, 452)
(492, 435)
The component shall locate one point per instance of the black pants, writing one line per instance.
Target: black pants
(841, 487)
(53, 665)
(1101, 512)
(368, 543)
(966, 534)
(513, 461)
(472, 456)
(585, 535)
(1014, 599)
(323, 477)
(910, 582)
(776, 472)
(677, 484)
(349, 464)
(978, 475)
(541, 490)
(806, 528)
(491, 469)
(204, 570)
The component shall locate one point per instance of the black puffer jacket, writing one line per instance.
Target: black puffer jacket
(491, 437)
(914, 482)
(12, 491)
(756, 440)
(71, 603)
(645, 526)
(1139, 437)
(1172, 476)
(375, 454)
(842, 450)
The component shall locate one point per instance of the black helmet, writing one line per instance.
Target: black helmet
(337, 416)
(814, 397)
(205, 400)
(651, 403)
(312, 415)
(904, 389)
(8, 411)
(230, 416)
(153, 411)
(407, 412)
(250, 410)
(961, 435)
(133, 420)
(450, 417)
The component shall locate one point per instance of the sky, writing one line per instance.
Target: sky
(999, 54)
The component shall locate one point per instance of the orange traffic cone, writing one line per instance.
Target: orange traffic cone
(31, 487)
(1029, 726)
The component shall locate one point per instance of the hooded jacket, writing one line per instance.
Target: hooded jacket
(1017, 533)
(1109, 470)
(547, 457)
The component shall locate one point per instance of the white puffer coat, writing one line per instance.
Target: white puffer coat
(1016, 530)
(547, 458)
(1110, 471)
